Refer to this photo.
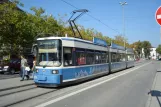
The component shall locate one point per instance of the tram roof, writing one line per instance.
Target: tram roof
(115, 46)
(64, 38)
(71, 39)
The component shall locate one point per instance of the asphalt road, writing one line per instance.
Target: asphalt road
(7, 76)
(130, 90)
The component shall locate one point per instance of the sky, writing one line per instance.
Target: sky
(140, 23)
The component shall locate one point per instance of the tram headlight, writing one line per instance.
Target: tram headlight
(55, 72)
(37, 70)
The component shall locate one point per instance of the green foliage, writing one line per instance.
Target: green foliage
(12, 25)
(138, 46)
(158, 50)
(146, 45)
(18, 29)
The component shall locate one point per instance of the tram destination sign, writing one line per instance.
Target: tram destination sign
(99, 41)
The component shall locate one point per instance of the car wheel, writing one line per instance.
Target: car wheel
(12, 71)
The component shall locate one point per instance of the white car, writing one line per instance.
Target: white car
(1, 69)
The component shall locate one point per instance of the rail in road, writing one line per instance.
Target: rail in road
(22, 96)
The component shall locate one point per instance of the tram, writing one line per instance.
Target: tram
(64, 60)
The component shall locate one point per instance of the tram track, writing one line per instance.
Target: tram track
(23, 95)
(15, 87)
(16, 90)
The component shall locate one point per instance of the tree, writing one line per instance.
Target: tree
(158, 50)
(137, 46)
(12, 25)
(146, 45)
(18, 29)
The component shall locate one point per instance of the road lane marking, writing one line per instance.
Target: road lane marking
(83, 89)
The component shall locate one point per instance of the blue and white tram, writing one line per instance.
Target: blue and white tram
(117, 58)
(62, 60)
(130, 58)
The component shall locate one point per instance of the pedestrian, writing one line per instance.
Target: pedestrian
(23, 66)
(34, 65)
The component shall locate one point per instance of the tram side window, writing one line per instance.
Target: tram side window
(122, 57)
(130, 57)
(80, 57)
(114, 57)
(68, 57)
(119, 57)
(90, 57)
(104, 57)
(97, 58)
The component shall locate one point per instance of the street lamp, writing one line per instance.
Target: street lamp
(123, 18)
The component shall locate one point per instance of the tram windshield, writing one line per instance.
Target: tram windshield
(49, 53)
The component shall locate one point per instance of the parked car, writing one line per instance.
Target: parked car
(0, 69)
(13, 65)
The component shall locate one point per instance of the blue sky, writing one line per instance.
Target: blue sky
(140, 23)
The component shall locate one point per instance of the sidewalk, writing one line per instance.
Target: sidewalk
(154, 99)
(13, 83)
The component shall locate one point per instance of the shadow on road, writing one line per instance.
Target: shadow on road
(156, 94)
(159, 70)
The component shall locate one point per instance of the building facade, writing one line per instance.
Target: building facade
(153, 53)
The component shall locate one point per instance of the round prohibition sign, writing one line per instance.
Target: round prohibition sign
(158, 15)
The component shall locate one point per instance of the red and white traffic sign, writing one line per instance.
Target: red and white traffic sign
(158, 15)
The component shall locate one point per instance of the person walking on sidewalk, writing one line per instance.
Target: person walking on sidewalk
(23, 66)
